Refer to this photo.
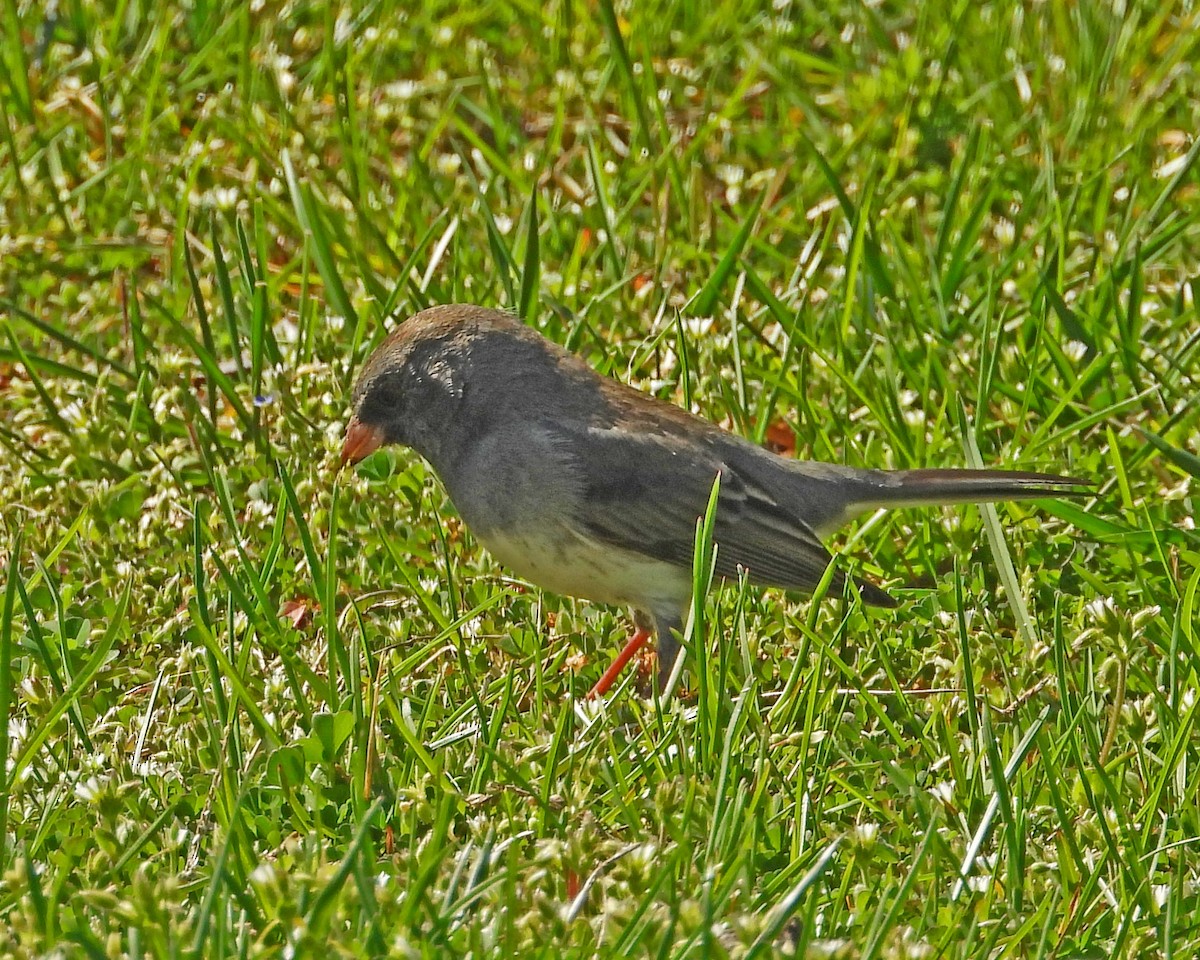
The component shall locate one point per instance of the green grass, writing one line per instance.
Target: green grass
(252, 705)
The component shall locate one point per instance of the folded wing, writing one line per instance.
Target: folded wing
(645, 492)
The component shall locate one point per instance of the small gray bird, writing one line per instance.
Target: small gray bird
(590, 488)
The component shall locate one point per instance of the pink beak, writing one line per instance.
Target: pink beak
(361, 441)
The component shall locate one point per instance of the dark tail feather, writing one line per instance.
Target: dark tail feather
(871, 595)
(910, 488)
(916, 487)
(875, 596)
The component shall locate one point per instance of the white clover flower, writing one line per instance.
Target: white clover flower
(697, 326)
(1075, 350)
(74, 414)
(89, 790)
(1171, 167)
(943, 792)
(1101, 608)
(866, 833)
(979, 883)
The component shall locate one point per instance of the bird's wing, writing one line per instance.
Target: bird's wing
(645, 490)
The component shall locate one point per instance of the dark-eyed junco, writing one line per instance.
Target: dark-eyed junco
(590, 488)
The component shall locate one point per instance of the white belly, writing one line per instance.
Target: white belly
(563, 561)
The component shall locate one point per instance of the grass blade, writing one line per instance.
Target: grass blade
(95, 660)
(314, 231)
(527, 303)
(6, 688)
(706, 299)
(1185, 460)
(790, 903)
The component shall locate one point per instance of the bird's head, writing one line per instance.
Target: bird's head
(409, 387)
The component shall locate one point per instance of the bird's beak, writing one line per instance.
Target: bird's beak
(361, 441)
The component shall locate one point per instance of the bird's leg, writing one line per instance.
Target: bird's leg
(640, 635)
(668, 651)
(668, 647)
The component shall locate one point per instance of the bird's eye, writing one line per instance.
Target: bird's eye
(388, 394)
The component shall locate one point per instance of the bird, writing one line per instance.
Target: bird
(590, 488)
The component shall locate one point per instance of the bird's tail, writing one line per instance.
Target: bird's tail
(843, 493)
(850, 492)
(909, 488)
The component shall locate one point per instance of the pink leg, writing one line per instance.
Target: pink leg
(636, 642)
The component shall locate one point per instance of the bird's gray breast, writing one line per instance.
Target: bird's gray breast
(518, 490)
(513, 477)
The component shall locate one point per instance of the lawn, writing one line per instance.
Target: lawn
(257, 707)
